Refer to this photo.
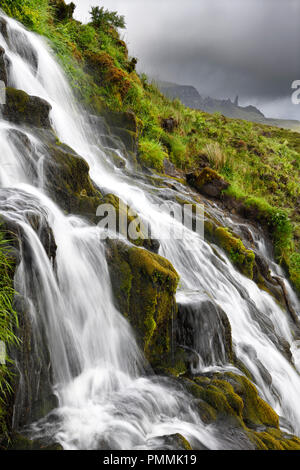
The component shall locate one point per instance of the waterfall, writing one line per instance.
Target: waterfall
(105, 397)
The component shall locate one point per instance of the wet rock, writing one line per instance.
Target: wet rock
(240, 256)
(122, 125)
(144, 285)
(207, 182)
(172, 442)
(124, 120)
(21, 108)
(68, 182)
(118, 161)
(170, 169)
(126, 220)
(287, 300)
(128, 138)
(204, 327)
(4, 63)
(232, 403)
(45, 234)
(3, 28)
(251, 353)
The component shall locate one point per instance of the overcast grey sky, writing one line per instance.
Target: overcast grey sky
(222, 47)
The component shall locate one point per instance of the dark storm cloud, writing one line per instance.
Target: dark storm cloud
(223, 47)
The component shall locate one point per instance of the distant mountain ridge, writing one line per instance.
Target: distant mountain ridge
(190, 97)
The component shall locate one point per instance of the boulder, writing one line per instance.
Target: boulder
(128, 138)
(239, 414)
(126, 218)
(3, 28)
(69, 183)
(144, 285)
(172, 442)
(125, 120)
(204, 327)
(170, 169)
(21, 108)
(3, 66)
(207, 182)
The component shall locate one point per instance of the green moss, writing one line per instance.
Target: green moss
(182, 442)
(69, 183)
(18, 98)
(242, 258)
(126, 218)
(256, 412)
(207, 175)
(233, 399)
(144, 285)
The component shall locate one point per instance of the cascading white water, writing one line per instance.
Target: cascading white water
(104, 397)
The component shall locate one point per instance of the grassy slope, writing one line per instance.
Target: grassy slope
(261, 163)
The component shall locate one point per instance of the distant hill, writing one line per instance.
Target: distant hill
(190, 97)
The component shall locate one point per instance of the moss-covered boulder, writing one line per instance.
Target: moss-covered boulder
(207, 182)
(231, 401)
(21, 108)
(125, 120)
(173, 442)
(144, 285)
(242, 258)
(68, 181)
(126, 221)
(128, 138)
(123, 125)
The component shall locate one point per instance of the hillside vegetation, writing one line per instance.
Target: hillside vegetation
(261, 163)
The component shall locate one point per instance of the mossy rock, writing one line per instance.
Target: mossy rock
(125, 218)
(201, 314)
(231, 400)
(207, 182)
(128, 138)
(242, 258)
(256, 412)
(174, 442)
(124, 120)
(274, 439)
(20, 442)
(144, 285)
(20, 108)
(68, 181)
